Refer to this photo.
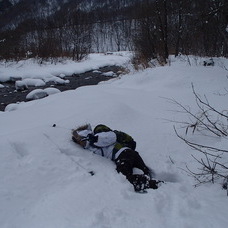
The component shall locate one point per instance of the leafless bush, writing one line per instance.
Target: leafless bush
(208, 121)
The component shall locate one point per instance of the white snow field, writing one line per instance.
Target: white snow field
(44, 179)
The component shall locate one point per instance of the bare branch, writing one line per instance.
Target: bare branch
(199, 146)
(207, 103)
(198, 119)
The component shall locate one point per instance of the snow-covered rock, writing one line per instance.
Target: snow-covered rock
(109, 74)
(1, 86)
(34, 82)
(97, 71)
(25, 83)
(51, 91)
(11, 107)
(62, 75)
(21, 85)
(60, 81)
(41, 93)
(36, 94)
(56, 80)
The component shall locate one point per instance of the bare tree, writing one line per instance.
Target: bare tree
(162, 23)
(179, 27)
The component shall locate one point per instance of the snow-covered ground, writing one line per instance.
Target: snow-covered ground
(42, 185)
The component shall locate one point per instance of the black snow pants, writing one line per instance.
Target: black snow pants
(126, 162)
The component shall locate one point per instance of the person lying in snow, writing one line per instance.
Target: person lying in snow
(120, 148)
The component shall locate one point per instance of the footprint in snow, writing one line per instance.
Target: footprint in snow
(20, 149)
(167, 177)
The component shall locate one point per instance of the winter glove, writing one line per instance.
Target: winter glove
(92, 139)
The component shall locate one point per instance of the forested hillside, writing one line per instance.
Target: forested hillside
(74, 28)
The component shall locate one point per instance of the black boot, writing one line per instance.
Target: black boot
(155, 184)
(140, 182)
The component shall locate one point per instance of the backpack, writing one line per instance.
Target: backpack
(125, 140)
(101, 128)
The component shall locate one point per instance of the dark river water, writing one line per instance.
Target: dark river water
(9, 94)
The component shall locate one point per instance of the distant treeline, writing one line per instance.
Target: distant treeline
(151, 28)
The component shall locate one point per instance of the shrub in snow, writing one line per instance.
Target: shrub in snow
(208, 62)
(208, 121)
(109, 53)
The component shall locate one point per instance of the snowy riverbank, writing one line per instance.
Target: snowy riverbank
(19, 79)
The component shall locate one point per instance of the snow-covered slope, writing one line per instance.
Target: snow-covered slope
(42, 185)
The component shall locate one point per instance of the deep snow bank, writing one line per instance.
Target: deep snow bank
(42, 185)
